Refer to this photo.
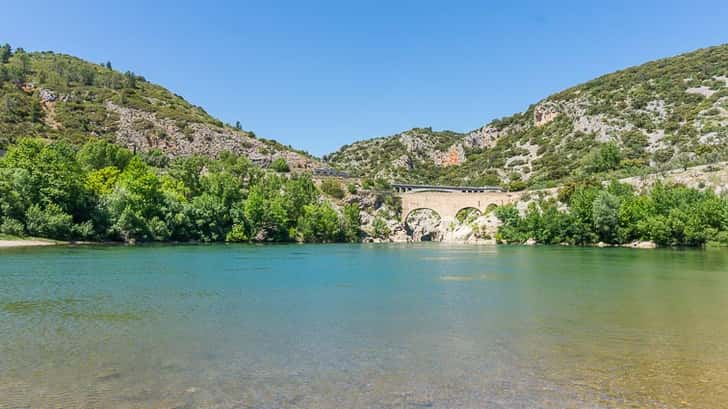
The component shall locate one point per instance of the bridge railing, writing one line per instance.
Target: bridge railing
(403, 188)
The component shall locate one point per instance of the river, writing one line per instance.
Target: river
(362, 326)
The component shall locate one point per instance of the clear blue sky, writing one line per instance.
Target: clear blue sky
(319, 74)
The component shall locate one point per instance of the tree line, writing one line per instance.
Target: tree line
(103, 192)
(588, 212)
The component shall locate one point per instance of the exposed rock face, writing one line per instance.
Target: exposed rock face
(404, 161)
(454, 156)
(461, 233)
(545, 113)
(713, 177)
(483, 138)
(143, 131)
(412, 142)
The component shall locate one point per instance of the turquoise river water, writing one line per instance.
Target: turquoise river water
(362, 326)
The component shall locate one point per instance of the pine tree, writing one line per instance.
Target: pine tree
(5, 52)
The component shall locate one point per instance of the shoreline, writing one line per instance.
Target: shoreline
(27, 243)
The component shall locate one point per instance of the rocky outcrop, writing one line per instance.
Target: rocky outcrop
(545, 113)
(454, 156)
(482, 138)
(143, 131)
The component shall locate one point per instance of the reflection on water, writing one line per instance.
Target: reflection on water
(377, 326)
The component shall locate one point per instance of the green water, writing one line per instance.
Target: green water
(362, 326)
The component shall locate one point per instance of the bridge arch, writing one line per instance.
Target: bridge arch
(423, 223)
(467, 212)
(413, 212)
(449, 204)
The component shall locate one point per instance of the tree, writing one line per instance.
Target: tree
(209, 217)
(319, 224)
(603, 158)
(238, 126)
(51, 175)
(131, 79)
(5, 52)
(351, 223)
(36, 112)
(99, 153)
(605, 215)
(102, 182)
(108, 65)
(188, 169)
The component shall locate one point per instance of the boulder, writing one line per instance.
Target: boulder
(641, 245)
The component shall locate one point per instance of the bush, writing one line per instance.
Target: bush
(280, 165)
(237, 234)
(380, 229)
(49, 222)
(517, 185)
(12, 227)
(332, 188)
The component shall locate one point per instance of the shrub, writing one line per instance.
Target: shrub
(12, 227)
(517, 185)
(380, 229)
(280, 165)
(237, 234)
(332, 188)
(50, 222)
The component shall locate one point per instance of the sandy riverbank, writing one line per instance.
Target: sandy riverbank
(26, 243)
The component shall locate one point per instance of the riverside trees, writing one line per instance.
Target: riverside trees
(617, 214)
(104, 192)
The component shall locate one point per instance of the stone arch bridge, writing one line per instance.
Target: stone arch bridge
(448, 201)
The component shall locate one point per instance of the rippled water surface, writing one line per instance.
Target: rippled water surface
(362, 326)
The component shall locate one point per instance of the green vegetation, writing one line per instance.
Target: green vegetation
(100, 191)
(665, 114)
(280, 165)
(60, 97)
(332, 188)
(616, 214)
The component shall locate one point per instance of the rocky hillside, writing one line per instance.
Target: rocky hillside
(59, 96)
(406, 156)
(665, 114)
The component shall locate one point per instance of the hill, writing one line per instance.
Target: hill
(664, 114)
(58, 96)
